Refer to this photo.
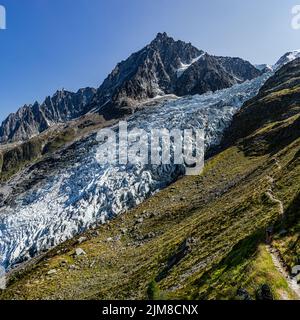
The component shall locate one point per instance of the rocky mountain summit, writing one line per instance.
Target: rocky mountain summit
(235, 236)
(63, 228)
(164, 66)
(31, 120)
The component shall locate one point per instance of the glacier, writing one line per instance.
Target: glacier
(83, 193)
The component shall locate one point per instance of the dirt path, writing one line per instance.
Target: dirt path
(278, 262)
(275, 200)
(272, 198)
(291, 281)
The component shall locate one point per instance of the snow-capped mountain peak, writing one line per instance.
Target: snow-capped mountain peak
(164, 66)
(286, 58)
(79, 192)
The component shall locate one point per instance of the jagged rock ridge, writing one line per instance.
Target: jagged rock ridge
(165, 66)
(33, 119)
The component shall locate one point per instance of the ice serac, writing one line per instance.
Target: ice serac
(72, 192)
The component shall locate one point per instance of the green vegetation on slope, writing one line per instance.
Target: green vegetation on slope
(16, 156)
(226, 214)
(204, 236)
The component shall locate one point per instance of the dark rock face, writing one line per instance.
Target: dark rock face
(211, 73)
(277, 100)
(243, 294)
(145, 74)
(34, 119)
(240, 69)
(64, 105)
(26, 122)
(264, 293)
(165, 66)
(207, 74)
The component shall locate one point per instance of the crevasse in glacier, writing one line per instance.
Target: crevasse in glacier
(84, 192)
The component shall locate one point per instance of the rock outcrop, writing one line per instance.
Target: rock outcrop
(31, 120)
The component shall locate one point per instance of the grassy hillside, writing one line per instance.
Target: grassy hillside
(15, 156)
(223, 213)
(204, 237)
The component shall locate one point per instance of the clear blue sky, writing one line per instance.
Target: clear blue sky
(50, 44)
